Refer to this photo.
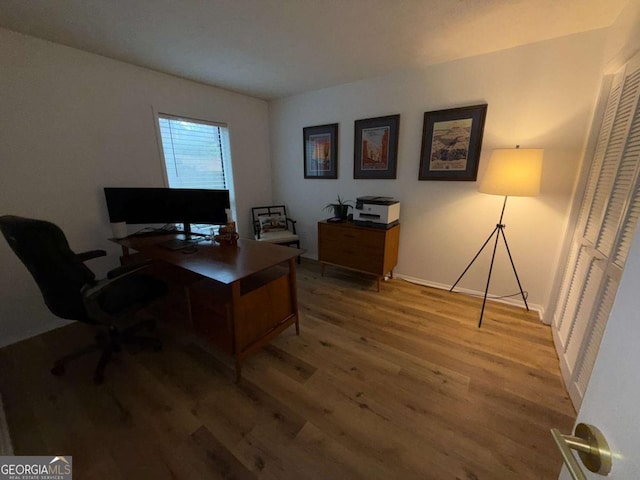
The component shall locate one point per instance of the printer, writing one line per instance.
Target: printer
(381, 212)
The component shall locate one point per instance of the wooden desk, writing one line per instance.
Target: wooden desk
(246, 295)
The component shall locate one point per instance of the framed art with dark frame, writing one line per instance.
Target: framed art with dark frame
(375, 153)
(321, 151)
(451, 143)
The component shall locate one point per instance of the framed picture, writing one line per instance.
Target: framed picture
(375, 153)
(451, 142)
(320, 151)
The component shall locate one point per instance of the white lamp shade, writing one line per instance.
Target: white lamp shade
(513, 172)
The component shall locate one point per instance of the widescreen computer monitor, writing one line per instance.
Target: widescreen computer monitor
(167, 205)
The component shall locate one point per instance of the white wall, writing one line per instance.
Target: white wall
(540, 95)
(71, 123)
(623, 39)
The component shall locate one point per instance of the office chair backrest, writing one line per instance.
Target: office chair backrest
(59, 273)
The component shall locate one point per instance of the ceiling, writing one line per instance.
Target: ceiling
(276, 48)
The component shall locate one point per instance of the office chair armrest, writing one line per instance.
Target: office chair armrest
(91, 291)
(90, 294)
(84, 256)
(126, 269)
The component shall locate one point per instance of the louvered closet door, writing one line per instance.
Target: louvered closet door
(606, 224)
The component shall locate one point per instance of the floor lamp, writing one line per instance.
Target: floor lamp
(511, 172)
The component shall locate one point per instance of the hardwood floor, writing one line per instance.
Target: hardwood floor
(399, 384)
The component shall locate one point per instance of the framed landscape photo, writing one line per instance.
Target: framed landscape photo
(451, 143)
(321, 151)
(375, 153)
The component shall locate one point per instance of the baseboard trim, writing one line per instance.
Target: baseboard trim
(539, 309)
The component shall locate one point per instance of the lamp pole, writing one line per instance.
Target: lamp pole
(498, 232)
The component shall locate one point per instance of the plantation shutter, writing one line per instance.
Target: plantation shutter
(607, 221)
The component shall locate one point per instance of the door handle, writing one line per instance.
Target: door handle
(591, 446)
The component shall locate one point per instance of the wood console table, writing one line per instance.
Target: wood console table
(364, 249)
(245, 296)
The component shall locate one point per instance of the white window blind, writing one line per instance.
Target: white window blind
(193, 152)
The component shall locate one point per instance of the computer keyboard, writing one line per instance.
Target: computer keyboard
(179, 243)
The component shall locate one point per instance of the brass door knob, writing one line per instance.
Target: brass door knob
(591, 446)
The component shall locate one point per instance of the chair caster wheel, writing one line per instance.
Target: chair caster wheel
(98, 379)
(157, 347)
(57, 370)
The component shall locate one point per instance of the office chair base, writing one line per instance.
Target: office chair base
(108, 343)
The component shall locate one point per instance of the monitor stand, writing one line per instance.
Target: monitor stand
(186, 230)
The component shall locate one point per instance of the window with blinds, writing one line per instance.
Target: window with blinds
(194, 152)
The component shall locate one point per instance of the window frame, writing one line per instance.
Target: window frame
(227, 162)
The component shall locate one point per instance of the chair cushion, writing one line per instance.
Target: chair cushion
(130, 291)
(272, 223)
(278, 236)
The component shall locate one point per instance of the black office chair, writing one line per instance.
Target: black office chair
(71, 291)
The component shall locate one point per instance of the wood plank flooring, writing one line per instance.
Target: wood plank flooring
(399, 384)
